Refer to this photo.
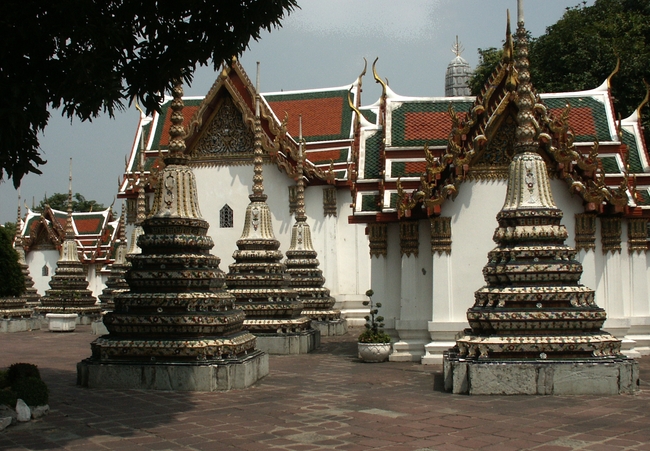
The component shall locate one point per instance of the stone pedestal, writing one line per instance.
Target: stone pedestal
(330, 328)
(298, 343)
(62, 322)
(19, 324)
(540, 377)
(230, 374)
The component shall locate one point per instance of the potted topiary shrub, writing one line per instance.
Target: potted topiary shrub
(374, 344)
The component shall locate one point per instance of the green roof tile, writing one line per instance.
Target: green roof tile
(371, 168)
(610, 165)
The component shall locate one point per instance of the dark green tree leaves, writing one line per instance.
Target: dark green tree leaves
(89, 58)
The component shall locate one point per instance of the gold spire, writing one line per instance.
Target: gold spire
(258, 177)
(17, 239)
(69, 230)
(525, 99)
(300, 182)
(177, 131)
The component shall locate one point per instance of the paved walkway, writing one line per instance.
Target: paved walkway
(324, 400)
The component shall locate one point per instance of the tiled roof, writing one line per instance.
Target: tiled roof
(161, 134)
(414, 123)
(610, 165)
(95, 234)
(587, 117)
(369, 202)
(324, 157)
(371, 168)
(326, 115)
(634, 159)
(407, 168)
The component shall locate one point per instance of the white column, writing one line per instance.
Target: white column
(415, 301)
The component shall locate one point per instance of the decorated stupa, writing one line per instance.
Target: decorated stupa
(31, 296)
(176, 328)
(69, 291)
(458, 74)
(15, 316)
(534, 329)
(303, 265)
(116, 283)
(258, 278)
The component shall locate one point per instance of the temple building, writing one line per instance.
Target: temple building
(68, 292)
(401, 192)
(96, 234)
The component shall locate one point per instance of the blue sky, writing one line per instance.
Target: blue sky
(322, 44)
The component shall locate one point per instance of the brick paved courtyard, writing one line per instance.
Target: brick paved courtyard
(324, 400)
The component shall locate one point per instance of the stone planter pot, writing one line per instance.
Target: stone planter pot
(61, 322)
(374, 352)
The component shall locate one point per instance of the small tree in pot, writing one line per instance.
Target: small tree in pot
(374, 344)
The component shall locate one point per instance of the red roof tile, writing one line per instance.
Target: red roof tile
(188, 113)
(581, 120)
(319, 116)
(427, 125)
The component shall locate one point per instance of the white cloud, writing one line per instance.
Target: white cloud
(401, 20)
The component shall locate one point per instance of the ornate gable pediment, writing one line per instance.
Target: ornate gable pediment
(227, 138)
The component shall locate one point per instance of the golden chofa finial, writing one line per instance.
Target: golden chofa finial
(377, 79)
(614, 72)
(508, 46)
(645, 100)
(457, 48)
(365, 66)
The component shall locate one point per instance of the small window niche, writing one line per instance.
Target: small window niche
(225, 217)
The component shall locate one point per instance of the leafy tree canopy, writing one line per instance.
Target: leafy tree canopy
(93, 57)
(59, 201)
(580, 51)
(12, 281)
(10, 227)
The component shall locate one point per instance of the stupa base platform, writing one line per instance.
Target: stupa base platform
(330, 328)
(19, 324)
(225, 375)
(597, 376)
(98, 327)
(85, 316)
(285, 344)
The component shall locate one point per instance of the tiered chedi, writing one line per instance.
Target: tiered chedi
(258, 278)
(116, 283)
(69, 291)
(533, 305)
(176, 310)
(303, 265)
(30, 296)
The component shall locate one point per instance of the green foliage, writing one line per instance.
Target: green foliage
(8, 397)
(374, 332)
(580, 51)
(95, 57)
(19, 371)
(32, 390)
(59, 201)
(4, 379)
(22, 380)
(488, 61)
(12, 280)
(10, 227)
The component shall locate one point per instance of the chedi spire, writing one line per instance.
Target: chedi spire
(533, 312)
(176, 328)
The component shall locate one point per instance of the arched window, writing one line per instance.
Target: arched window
(225, 217)
(45, 271)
